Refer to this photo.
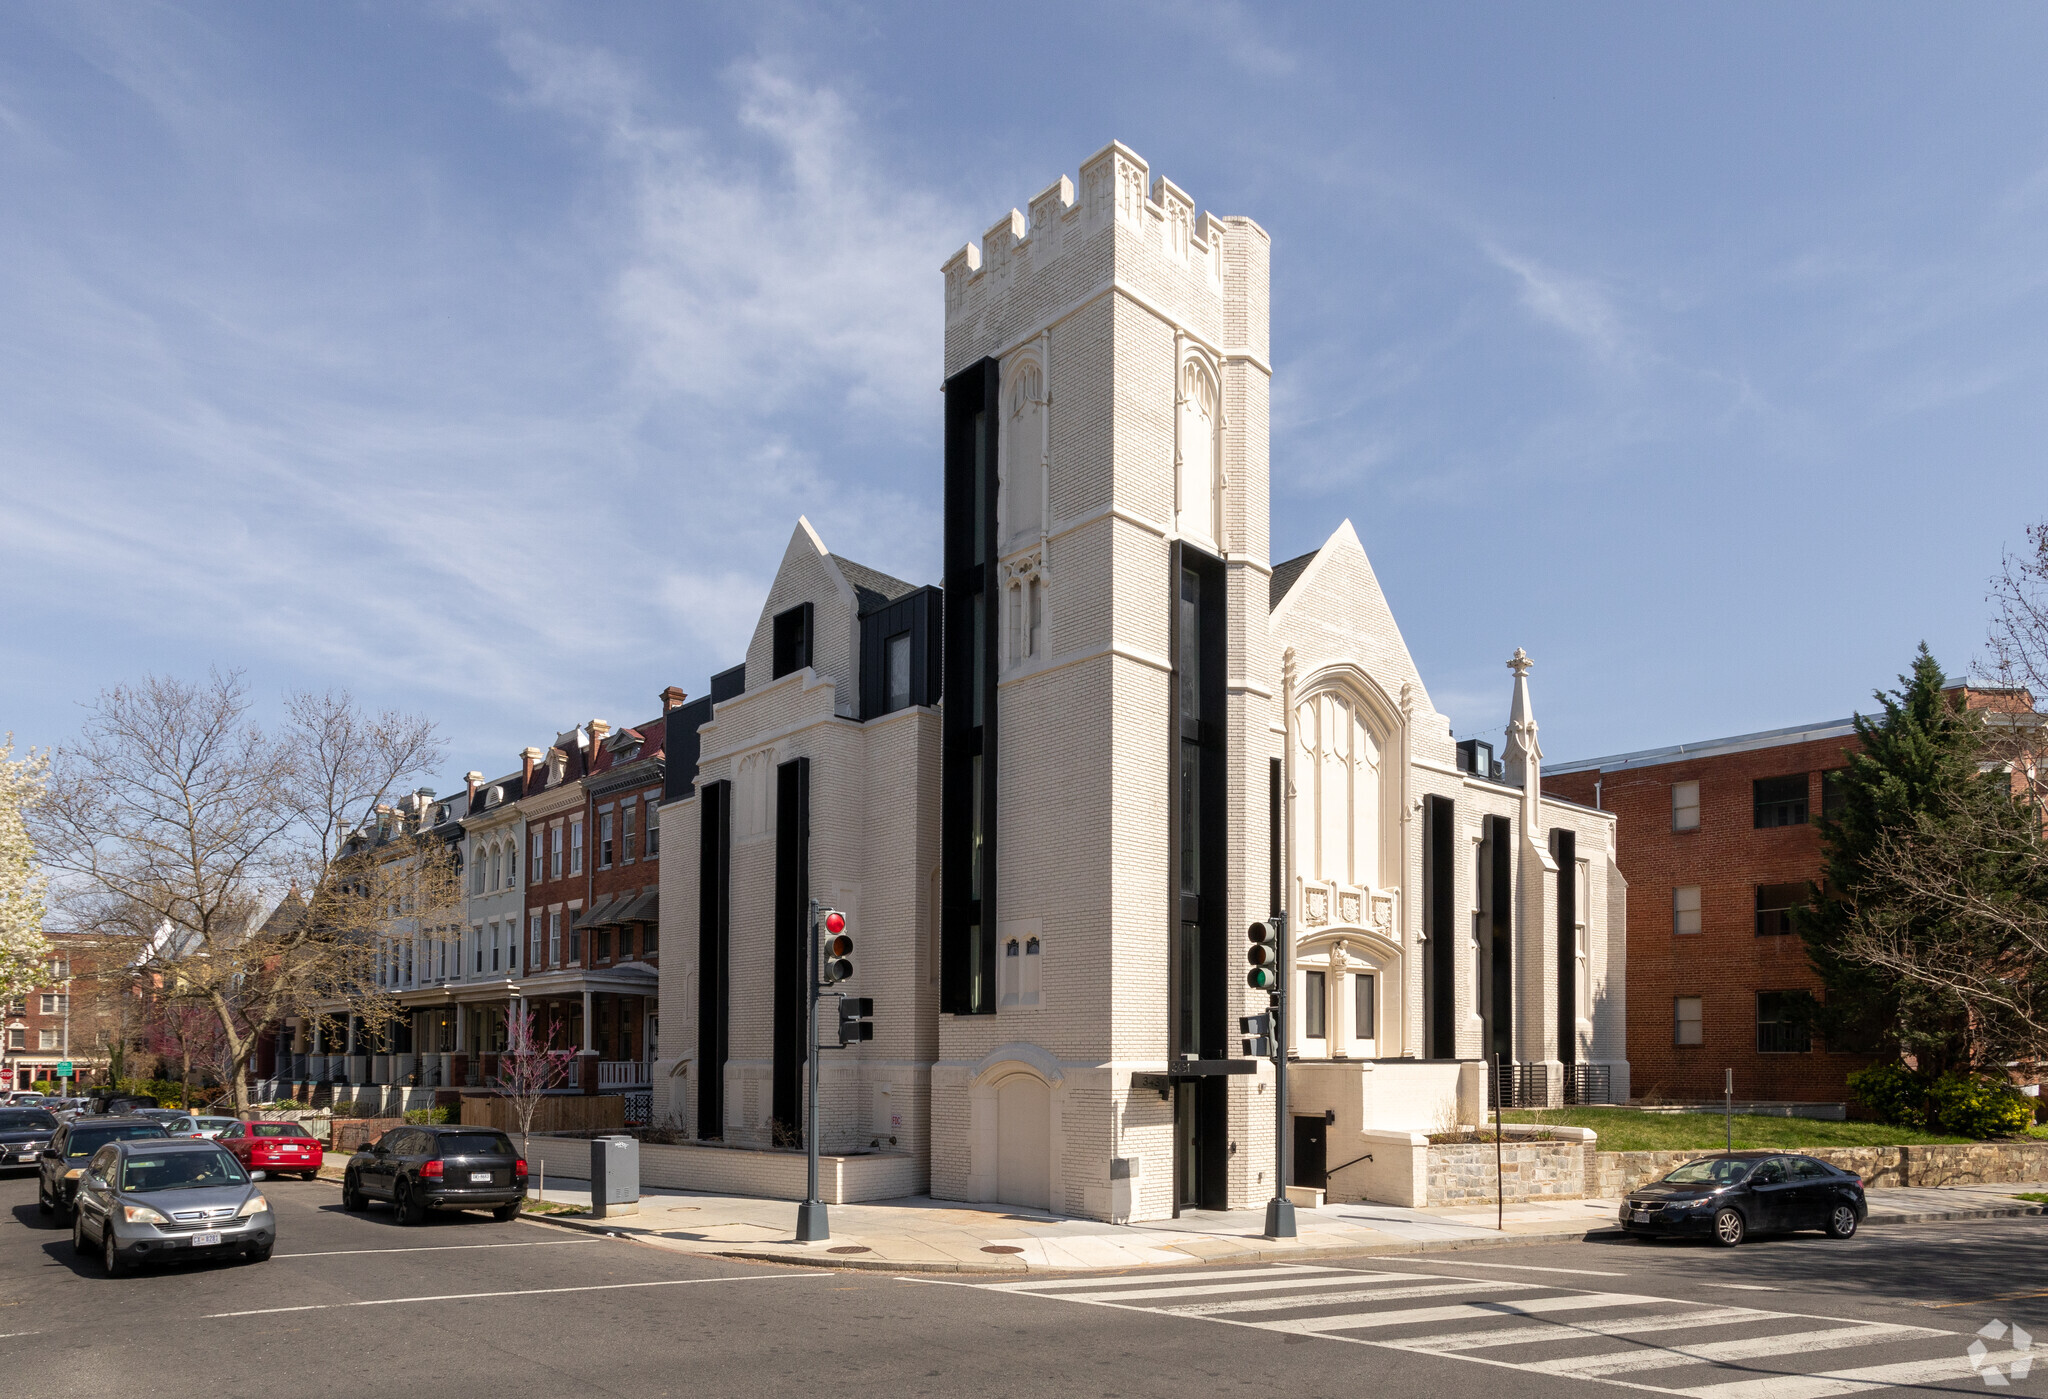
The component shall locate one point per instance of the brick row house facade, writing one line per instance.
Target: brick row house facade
(61, 1021)
(1718, 843)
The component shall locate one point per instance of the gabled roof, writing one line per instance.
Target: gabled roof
(1285, 574)
(873, 588)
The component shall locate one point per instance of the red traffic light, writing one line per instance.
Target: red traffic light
(835, 922)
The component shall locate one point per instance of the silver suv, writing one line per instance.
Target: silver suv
(142, 1201)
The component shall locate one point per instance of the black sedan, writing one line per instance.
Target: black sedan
(23, 1134)
(1729, 1197)
(437, 1168)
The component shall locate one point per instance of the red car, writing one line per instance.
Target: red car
(276, 1148)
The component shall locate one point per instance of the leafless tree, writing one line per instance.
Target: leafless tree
(232, 862)
(2017, 656)
(529, 1069)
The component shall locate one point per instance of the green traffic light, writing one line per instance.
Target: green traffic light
(1259, 978)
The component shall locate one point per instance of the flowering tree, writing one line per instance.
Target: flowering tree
(24, 954)
(529, 1069)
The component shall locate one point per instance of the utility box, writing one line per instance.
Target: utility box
(614, 1176)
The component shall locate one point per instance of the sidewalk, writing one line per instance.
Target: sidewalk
(935, 1236)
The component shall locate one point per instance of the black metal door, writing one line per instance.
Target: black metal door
(1311, 1148)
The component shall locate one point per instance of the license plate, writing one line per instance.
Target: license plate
(479, 1177)
(1640, 1216)
(293, 1149)
(206, 1240)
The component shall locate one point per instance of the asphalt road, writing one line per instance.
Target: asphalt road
(357, 1305)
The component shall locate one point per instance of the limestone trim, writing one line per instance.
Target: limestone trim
(1001, 1061)
(1117, 649)
(1115, 285)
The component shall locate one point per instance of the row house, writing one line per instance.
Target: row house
(52, 1026)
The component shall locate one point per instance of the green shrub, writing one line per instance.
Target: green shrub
(428, 1117)
(1894, 1093)
(287, 1105)
(1981, 1107)
(346, 1107)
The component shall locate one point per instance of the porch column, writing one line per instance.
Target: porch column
(461, 1028)
(350, 1047)
(589, 1024)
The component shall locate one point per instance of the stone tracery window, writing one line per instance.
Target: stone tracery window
(1338, 792)
(1200, 417)
(1021, 460)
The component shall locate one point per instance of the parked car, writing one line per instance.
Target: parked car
(26, 1097)
(437, 1168)
(164, 1201)
(72, 1145)
(211, 1127)
(24, 1132)
(113, 1104)
(273, 1147)
(1729, 1197)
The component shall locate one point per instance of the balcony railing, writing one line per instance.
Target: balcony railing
(622, 1073)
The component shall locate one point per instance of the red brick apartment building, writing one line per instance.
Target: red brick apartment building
(1717, 844)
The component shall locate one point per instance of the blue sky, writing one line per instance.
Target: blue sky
(479, 358)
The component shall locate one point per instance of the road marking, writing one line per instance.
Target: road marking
(1740, 1286)
(1532, 1268)
(1293, 1270)
(1534, 1306)
(520, 1292)
(1835, 1382)
(1268, 1285)
(1986, 1301)
(12, 1334)
(1452, 1341)
(1276, 1304)
(439, 1248)
(1751, 1348)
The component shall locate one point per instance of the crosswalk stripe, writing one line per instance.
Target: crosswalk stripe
(1270, 1285)
(1275, 1304)
(1264, 1270)
(1451, 1342)
(1403, 1316)
(1750, 1348)
(1833, 1382)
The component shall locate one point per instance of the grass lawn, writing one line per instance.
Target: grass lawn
(1623, 1129)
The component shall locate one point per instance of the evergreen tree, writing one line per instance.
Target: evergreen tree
(1927, 860)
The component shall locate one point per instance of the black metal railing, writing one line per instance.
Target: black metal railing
(1588, 1085)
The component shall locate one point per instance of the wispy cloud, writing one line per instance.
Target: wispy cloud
(1578, 306)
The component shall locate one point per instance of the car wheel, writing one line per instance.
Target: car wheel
(78, 1245)
(1728, 1228)
(1842, 1222)
(310, 1175)
(43, 1205)
(409, 1208)
(506, 1213)
(108, 1254)
(351, 1197)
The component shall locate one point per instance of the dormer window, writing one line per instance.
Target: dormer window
(792, 640)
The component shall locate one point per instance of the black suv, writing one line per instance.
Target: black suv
(24, 1131)
(437, 1168)
(72, 1145)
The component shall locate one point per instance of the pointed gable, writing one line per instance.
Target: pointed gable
(809, 574)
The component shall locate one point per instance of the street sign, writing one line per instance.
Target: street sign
(64, 1069)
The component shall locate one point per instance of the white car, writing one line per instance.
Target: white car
(210, 1127)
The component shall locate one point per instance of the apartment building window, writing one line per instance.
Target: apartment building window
(1781, 1022)
(1314, 1013)
(896, 660)
(626, 830)
(478, 935)
(55, 1005)
(554, 852)
(648, 943)
(495, 938)
(512, 864)
(497, 868)
(1685, 806)
(554, 939)
(60, 969)
(476, 875)
(46, 1039)
(539, 851)
(792, 640)
(1364, 1006)
(575, 937)
(604, 840)
(1688, 1020)
(17, 1039)
(533, 952)
(576, 847)
(1780, 801)
(602, 952)
(1833, 796)
(653, 830)
(1774, 905)
(1685, 909)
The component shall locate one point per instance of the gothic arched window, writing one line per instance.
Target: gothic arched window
(1200, 416)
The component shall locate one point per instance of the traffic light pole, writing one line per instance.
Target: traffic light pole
(1280, 1209)
(812, 1223)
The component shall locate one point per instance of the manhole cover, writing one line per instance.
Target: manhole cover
(851, 1248)
(1001, 1248)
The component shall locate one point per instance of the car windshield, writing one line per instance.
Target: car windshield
(25, 1119)
(1722, 1170)
(89, 1140)
(216, 1124)
(180, 1170)
(475, 1144)
(276, 1129)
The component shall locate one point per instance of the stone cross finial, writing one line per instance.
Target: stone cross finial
(1520, 663)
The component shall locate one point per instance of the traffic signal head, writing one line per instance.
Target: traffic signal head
(838, 951)
(1262, 952)
(1258, 1035)
(854, 1019)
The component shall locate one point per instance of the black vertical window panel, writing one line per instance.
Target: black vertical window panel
(1565, 848)
(714, 943)
(1274, 830)
(967, 921)
(680, 742)
(1503, 1005)
(792, 941)
(1441, 926)
(728, 683)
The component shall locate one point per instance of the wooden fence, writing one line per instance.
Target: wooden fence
(564, 1113)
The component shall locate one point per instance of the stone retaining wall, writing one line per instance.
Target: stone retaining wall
(1610, 1173)
(353, 1133)
(1462, 1173)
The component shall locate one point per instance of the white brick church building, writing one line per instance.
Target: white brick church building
(1051, 791)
